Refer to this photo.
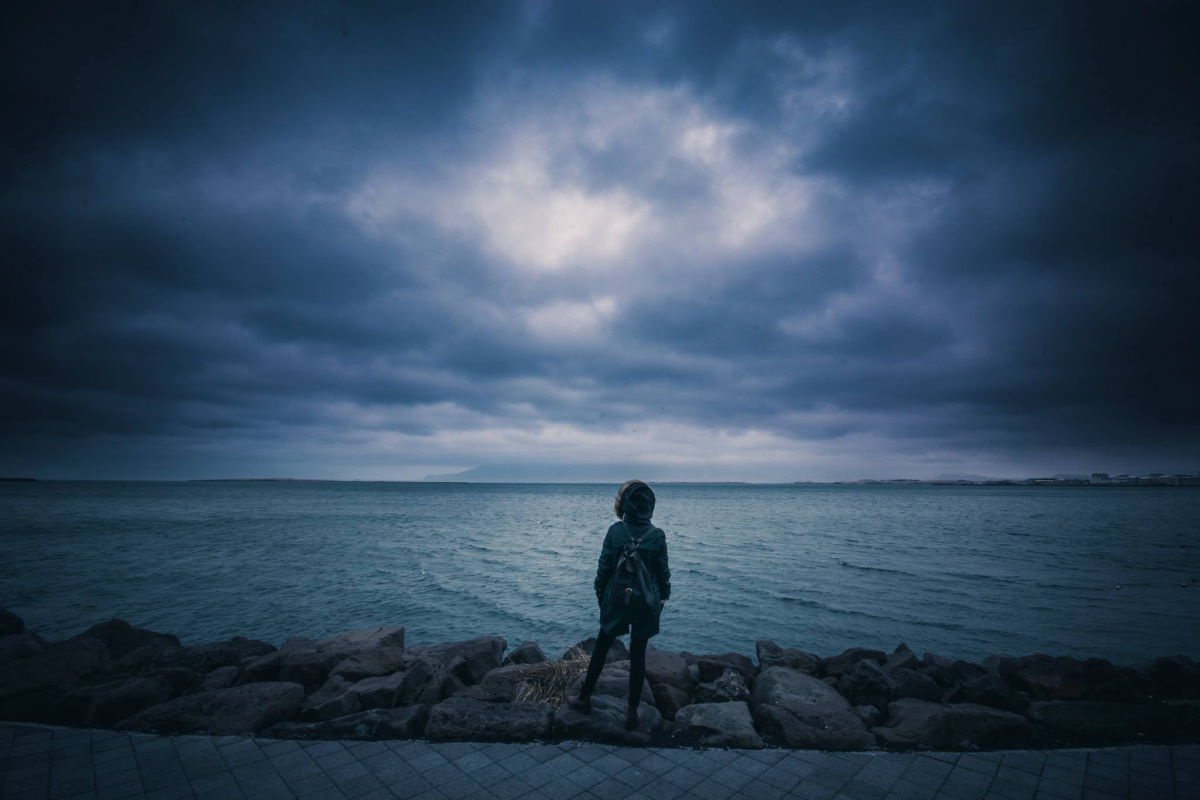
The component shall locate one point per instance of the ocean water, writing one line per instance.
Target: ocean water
(962, 571)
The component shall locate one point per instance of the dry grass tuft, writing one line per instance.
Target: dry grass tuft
(548, 681)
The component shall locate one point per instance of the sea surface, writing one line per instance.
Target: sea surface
(959, 570)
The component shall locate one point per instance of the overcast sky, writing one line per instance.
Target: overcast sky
(587, 241)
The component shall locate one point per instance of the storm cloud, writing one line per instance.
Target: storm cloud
(566, 241)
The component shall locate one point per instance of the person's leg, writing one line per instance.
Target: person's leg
(637, 667)
(596, 664)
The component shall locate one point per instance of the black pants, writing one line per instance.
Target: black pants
(637, 663)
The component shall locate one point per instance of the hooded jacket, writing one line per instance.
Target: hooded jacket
(635, 523)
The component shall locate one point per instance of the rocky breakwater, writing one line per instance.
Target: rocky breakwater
(370, 684)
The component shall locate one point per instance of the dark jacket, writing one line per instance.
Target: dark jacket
(653, 552)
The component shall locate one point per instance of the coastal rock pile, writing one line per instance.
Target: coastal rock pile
(369, 684)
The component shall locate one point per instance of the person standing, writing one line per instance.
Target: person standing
(623, 609)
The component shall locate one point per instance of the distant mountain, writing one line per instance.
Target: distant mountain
(963, 476)
(550, 473)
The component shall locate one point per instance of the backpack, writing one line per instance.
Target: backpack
(632, 585)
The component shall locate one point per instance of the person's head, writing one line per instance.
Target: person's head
(635, 502)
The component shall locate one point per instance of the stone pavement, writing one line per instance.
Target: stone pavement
(38, 761)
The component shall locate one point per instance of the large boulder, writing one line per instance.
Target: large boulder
(220, 678)
(868, 684)
(381, 692)
(613, 682)
(525, 653)
(902, 658)
(606, 723)
(664, 666)
(948, 672)
(772, 655)
(240, 709)
(911, 683)
(29, 685)
(988, 689)
(712, 667)
(10, 623)
(308, 662)
(669, 699)
(1098, 722)
(473, 658)
(616, 652)
(19, 645)
(407, 722)
(919, 723)
(200, 658)
(121, 638)
(1064, 678)
(479, 720)
(845, 661)
(498, 686)
(370, 664)
(261, 668)
(805, 712)
(1174, 676)
(334, 699)
(106, 701)
(728, 687)
(717, 725)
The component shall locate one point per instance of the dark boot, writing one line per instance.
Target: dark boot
(631, 719)
(581, 702)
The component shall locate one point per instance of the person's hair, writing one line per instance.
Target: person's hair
(625, 490)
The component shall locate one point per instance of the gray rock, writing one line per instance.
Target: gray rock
(711, 667)
(498, 686)
(729, 687)
(309, 662)
(181, 679)
(617, 652)
(845, 661)
(240, 709)
(334, 699)
(203, 658)
(305, 667)
(104, 702)
(911, 683)
(726, 724)
(1097, 720)
(947, 672)
(919, 723)
(525, 653)
(220, 678)
(1178, 676)
(473, 658)
(382, 692)
(407, 722)
(27, 684)
(870, 715)
(10, 623)
(479, 720)
(262, 668)
(664, 666)
(902, 658)
(121, 638)
(988, 689)
(19, 645)
(669, 699)
(606, 723)
(805, 712)
(370, 664)
(613, 682)
(772, 655)
(868, 684)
